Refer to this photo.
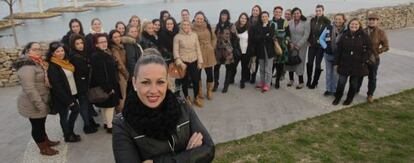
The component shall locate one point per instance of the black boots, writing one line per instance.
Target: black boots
(316, 78)
(228, 79)
(337, 99)
(215, 87)
(309, 69)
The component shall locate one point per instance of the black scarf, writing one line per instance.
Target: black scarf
(241, 29)
(159, 123)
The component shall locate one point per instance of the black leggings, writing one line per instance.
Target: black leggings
(229, 71)
(245, 71)
(291, 77)
(38, 129)
(192, 71)
(209, 74)
(279, 68)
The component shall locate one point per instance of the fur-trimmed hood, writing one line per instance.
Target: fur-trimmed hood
(128, 40)
(22, 61)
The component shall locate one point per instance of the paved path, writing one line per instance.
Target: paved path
(237, 114)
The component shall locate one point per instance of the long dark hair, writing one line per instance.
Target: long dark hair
(110, 36)
(260, 10)
(53, 46)
(80, 25)
(303, 18)
(121, 23)
(162, 14)
(246, 26)
(205, 20)
(221, 24)
(175, 29)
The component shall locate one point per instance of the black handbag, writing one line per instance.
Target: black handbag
(293, 60)
(97, 94)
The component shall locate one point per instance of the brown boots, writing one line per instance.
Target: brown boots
(200, 90)
(51, 143)
(198, 102)
(46, 150)
(210, 86)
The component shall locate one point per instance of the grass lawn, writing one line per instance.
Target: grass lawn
(378, 132)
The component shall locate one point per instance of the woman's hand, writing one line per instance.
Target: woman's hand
(195, 141)
(200, 66)
(183, 66)
(72, 104)
(148, 161)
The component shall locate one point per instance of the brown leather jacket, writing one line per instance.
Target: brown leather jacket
(379, 41)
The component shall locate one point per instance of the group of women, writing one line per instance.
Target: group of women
(130, 64)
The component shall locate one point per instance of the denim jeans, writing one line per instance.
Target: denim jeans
(353, 86)
(84, 109)
(67, 120)
(372, 79)
(331, 76)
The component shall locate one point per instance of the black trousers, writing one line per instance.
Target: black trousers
(38, 129)
(209, 74)
(245, 71)
(315, 55)
(253, 76)
(279, 68)
(67, 119)
(353, 86)
(229, 71)
(193, 72)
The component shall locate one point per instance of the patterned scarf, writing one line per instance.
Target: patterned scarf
(38, 60)
(63, 63)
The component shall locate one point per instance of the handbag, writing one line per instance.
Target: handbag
(97, 94)
(176, 71)
(293, 60)
(278, 49)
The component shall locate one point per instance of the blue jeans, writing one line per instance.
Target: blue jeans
(67, 121)
(353, 86)
(84, 109)
(331, 75)
(372, 79)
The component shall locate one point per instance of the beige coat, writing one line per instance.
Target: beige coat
(207, 43)
(32, 101)
(187, 48)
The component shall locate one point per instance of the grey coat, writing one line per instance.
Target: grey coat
(299, 35)
(32, 101)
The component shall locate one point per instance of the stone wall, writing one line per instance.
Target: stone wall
(393, 17)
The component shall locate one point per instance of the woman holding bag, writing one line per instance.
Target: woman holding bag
(299, 30)
(105, 76)
(32, 102)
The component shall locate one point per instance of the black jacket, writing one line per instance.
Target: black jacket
(83, 69)
(105, 75)
(130, 146)
(263, 40)
(317, 24)
(148, 41)
(61, 96)
(353, 52)
(133, 52)
(166, 39)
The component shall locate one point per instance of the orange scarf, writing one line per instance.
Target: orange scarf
(63, 63)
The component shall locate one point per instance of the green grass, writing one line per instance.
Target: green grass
(378, 132)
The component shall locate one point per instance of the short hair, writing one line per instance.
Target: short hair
(149, 58)
(97, 36)
(278, 7)
(53, 46)
(320, 6)
(342, 15)
(27, 47)
(73, 39)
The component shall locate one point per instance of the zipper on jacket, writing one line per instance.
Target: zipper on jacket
(172, 146)
(182, 124)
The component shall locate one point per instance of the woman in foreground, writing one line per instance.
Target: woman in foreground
(155, 126)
